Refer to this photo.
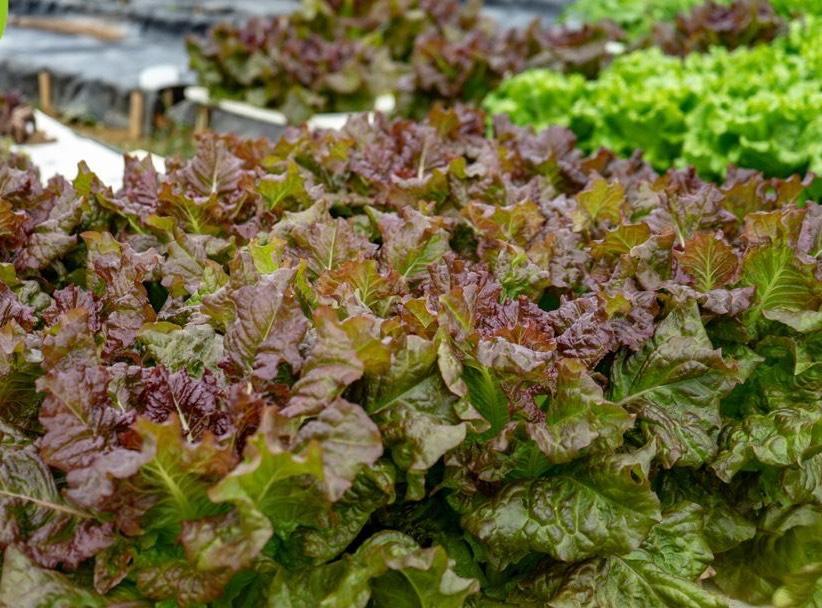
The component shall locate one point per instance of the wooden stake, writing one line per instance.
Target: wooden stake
(168, 98)
(201, 120)
(96, 28)
(44, 89)
(135, 114)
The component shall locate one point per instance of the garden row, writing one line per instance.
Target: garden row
(755, 107)
(638, 17)
(340, 56)
(409, 363)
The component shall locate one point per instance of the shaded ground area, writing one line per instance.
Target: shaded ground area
(91, 78)
(516, 13)
(182, 16)
(170, 140)
(170, 16)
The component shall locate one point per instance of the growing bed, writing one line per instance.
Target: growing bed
(450, 362)
(437, 349)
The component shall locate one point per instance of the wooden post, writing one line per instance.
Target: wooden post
(135, 114)
(168, 98)
(201, 120)
(44, 89)
(80, 27)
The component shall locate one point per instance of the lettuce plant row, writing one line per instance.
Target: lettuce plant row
(332, 56)
(339, 56)
(639, 17)
(409, 364)
(757, 107)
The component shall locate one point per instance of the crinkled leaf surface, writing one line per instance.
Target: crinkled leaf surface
(662, 572)
(389, 569)
(546, 515)
(24, 584)
(674, 384)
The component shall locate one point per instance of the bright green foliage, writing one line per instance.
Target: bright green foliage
(755, 107)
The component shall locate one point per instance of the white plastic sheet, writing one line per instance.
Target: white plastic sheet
(61, 156)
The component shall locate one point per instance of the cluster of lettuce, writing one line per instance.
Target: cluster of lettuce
(757, 107)
(740, 23)
(334, 56)
(409, 364)
(639, 17)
